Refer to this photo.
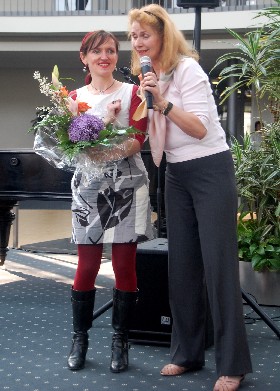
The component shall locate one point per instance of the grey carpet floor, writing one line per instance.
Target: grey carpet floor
(35, 337)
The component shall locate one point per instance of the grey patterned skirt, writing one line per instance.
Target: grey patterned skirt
(114, 209)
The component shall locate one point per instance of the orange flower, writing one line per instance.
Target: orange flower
(63, 92)
(83, 107)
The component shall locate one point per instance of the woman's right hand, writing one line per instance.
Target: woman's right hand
(150, 83)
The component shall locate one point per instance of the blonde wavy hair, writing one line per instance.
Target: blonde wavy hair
(174, 45)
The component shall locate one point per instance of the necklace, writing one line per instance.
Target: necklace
(101, 92)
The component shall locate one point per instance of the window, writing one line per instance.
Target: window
(73, 5)
(163, 3)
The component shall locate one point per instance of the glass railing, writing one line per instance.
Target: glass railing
(111, 7)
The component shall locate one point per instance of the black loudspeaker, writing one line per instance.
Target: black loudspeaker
(152, 321)
(202, 3)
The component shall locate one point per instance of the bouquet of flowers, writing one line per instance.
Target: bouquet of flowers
(69, 138)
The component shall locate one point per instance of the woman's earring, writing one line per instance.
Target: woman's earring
(85, 69)
(116, 69)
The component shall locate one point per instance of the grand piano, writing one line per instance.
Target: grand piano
(24, 175)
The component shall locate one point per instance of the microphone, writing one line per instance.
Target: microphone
(146, 66)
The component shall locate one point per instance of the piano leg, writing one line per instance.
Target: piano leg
(6, 220)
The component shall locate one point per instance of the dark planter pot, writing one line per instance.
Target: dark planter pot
(264, 286)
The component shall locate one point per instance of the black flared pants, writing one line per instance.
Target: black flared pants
(201, 209)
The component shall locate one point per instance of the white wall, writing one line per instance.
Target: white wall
(19, 98)
(212, 21)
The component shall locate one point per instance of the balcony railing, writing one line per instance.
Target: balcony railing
(111, 7)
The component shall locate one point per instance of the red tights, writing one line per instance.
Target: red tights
(123, 262)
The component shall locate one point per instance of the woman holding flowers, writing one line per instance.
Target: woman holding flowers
(200, 200)
(113, 208)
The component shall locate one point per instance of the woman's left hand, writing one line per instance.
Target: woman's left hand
(113, 110)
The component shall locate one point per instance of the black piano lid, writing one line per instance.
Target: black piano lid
(26, 175)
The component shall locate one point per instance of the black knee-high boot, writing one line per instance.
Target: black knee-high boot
(123, 307)
(82, 306)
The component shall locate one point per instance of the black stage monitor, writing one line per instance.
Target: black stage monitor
(194, 4)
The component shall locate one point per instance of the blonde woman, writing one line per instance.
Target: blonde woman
(200, 200)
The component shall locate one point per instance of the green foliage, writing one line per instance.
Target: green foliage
(258, 183)
(257, 245)
(54, 121)
(255, 60)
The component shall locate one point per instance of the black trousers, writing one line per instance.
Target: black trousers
(201, 210)
(81, 4)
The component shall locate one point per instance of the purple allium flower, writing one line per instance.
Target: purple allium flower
(85, 127)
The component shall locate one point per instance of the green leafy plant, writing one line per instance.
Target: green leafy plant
(257, 245)
(256, 63)
(258, 182)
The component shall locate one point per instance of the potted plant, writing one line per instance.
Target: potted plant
(256, 64)
(258, 183)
